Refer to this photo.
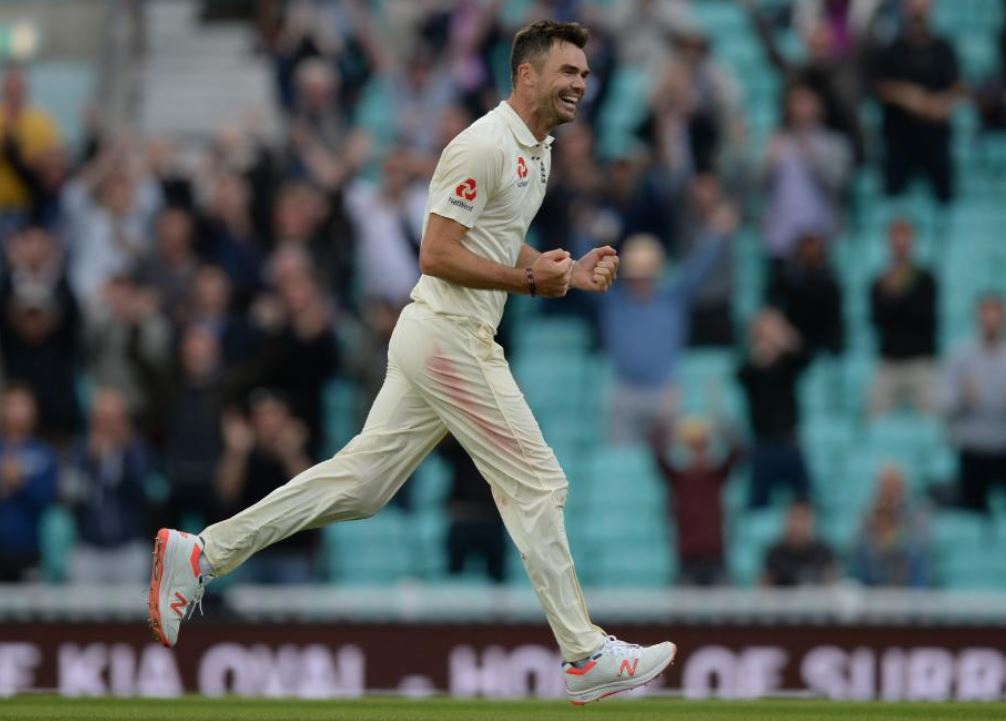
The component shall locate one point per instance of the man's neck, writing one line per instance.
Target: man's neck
(538, 126)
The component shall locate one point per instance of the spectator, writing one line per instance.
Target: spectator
(106, 484)
(892, 548)
(192, 440)
(712, 322)
(799, 558)
(108, 210)
(170, 269)
(806, 170)
(260, 456)
(917, 80)
(298, 351)
(769, 377)
(644, 325)
(304, 218)
(31, 132)
(694, 107)
(388, 220)
(28, 472)
(476, 527)
(209, 306)
(805, 290)
(39, 324)
(233, 243)
(903, 309)
(827, 70)
(975, 402)
(127, 346)
(696, 478)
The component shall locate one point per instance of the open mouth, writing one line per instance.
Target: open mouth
(569, 102)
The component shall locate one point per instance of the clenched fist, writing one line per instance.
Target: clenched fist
(552, 271)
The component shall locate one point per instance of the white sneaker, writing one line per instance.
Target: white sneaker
(617, 666)
(176, 584)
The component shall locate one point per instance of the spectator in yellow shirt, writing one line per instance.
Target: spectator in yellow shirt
(33, 132)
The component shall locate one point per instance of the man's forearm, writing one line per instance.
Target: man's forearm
(527, 256)
(456, 264)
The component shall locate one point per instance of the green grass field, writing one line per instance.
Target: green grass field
(39, 708)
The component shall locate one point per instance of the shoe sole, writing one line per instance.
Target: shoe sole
(628, 685)
(154, 592)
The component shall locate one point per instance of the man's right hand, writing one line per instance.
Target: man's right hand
(552, 273)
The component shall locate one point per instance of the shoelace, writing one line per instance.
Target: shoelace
(620, 648)
(197, 599)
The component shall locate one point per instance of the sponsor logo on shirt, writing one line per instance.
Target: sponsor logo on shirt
(466, 190)
(522, 180)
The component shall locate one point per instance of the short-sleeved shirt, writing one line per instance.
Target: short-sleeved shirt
(933, 65)
(35, 132)
(491, 178)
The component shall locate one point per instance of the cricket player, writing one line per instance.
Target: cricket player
(446, 374)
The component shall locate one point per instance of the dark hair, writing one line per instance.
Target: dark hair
(535, 40)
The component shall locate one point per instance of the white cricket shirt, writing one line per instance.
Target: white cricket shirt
(491, 178)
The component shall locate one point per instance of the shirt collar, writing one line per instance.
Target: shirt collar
(519, 128)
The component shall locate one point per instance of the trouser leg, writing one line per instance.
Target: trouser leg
(466, 380)
(400, 431)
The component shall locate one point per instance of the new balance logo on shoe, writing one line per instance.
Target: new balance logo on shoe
(627, 667)
(179, 605)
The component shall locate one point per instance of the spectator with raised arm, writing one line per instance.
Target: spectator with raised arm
(775, 360)
(644, 327)
(696, 472)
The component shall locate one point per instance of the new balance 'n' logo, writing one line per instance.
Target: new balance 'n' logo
(179, 605)
(628, 667)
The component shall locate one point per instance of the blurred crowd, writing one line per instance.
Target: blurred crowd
(168, 328)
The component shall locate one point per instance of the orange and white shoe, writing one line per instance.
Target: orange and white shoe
(176, 583)
(617, 666)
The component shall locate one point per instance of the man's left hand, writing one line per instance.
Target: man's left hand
(596, 270)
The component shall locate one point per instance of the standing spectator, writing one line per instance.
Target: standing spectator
(108, 211)
(806, 170)
(917, 80)
(105, 482)
(903, 310)
(644, 325)
(476, 527)
(127, 346)
(260, 456)
(712, 322)
(39, 324)
(799, 558)
(192, 440)
(29, 129)
(298, 350)
(975, 402)
(694, 106)
(171, 266)
(805, 290)
(232, 241)
(388, 219)
(696, 478)
(27, 483)
(827, 70)
(210, 306)
(769, 378)
(892, 548)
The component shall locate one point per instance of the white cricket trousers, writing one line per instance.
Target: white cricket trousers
(445, 374)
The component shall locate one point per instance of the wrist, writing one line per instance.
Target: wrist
(532, 286)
